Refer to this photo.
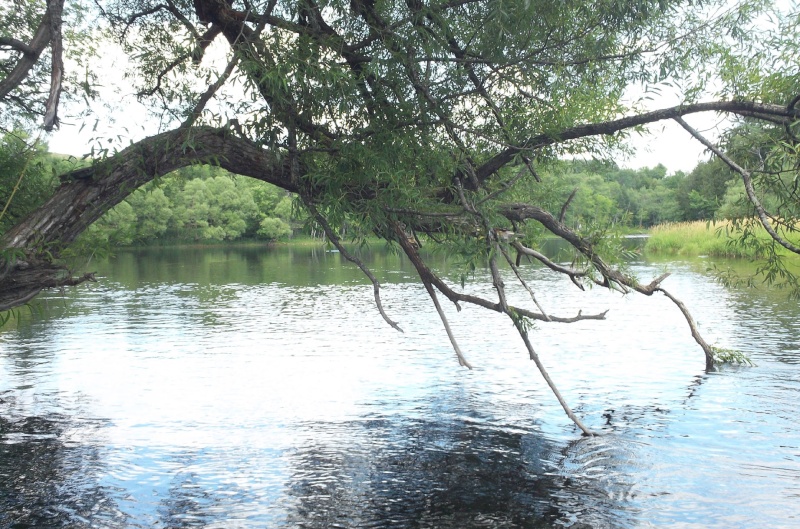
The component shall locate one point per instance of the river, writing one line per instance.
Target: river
(253, 387)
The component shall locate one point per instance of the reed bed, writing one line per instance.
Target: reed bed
(712, 238)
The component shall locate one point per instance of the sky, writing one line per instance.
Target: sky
(123, 118)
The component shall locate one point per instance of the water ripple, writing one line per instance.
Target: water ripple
(268, 401)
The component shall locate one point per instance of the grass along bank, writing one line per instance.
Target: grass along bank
(712, 238)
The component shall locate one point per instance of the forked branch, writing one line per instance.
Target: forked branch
(611, 276)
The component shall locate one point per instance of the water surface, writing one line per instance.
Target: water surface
(238, 388)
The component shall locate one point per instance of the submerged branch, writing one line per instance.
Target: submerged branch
(695, 333)
(462, 361)
(535, 357)
(518, 323)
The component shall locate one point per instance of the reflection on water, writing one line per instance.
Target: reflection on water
(260, 388)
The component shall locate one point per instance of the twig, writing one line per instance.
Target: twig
(522, 281)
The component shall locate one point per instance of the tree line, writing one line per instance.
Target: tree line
(193, 204)
(206, 203)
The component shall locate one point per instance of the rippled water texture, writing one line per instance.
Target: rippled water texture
(260, 388)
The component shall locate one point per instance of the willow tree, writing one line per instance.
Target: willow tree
(420, 121)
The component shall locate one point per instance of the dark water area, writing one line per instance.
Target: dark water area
(250, 387)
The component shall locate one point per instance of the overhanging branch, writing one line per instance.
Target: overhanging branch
(30, 55)
(744, 108)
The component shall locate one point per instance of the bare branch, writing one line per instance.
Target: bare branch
(522, 281)
(334, 238)
(695, 333)
(427, 275)
(515, 318)
(432, 293)
(610, 275)
(535, 357)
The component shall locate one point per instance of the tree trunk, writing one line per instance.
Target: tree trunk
(29, 248)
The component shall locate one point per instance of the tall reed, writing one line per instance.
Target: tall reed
(712, 238)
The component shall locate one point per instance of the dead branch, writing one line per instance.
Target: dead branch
(456, 297)
(610, 275)
(462, 361)
(522, 281)
(535, 357)
(498, 283)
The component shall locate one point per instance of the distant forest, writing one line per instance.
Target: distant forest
(203, 203)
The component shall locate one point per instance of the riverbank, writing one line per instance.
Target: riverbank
(303, 240)
(709, 238)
